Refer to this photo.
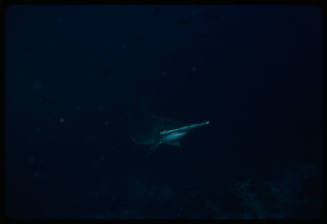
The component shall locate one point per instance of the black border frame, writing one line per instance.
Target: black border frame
(7, 3)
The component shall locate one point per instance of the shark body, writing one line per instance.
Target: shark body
(171, 136)
(155, 130)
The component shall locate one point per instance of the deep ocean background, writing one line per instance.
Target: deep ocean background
(254, 71)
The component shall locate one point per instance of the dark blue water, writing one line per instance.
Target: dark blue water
(72, 72)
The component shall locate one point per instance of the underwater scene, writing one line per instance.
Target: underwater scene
(163, 112)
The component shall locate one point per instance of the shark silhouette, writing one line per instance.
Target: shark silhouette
(149, 129)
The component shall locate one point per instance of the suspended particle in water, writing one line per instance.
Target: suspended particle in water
(61, 120)
(59, 19)
(31, 160)
(100, 108)
(36, 85)
(36, 174)
(90, 139)
(38, 129)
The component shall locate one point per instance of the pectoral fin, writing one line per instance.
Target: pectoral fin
(152, 148)
(156, 143)
(174, 143)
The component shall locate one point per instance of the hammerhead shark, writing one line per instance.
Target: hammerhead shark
(153, 130)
